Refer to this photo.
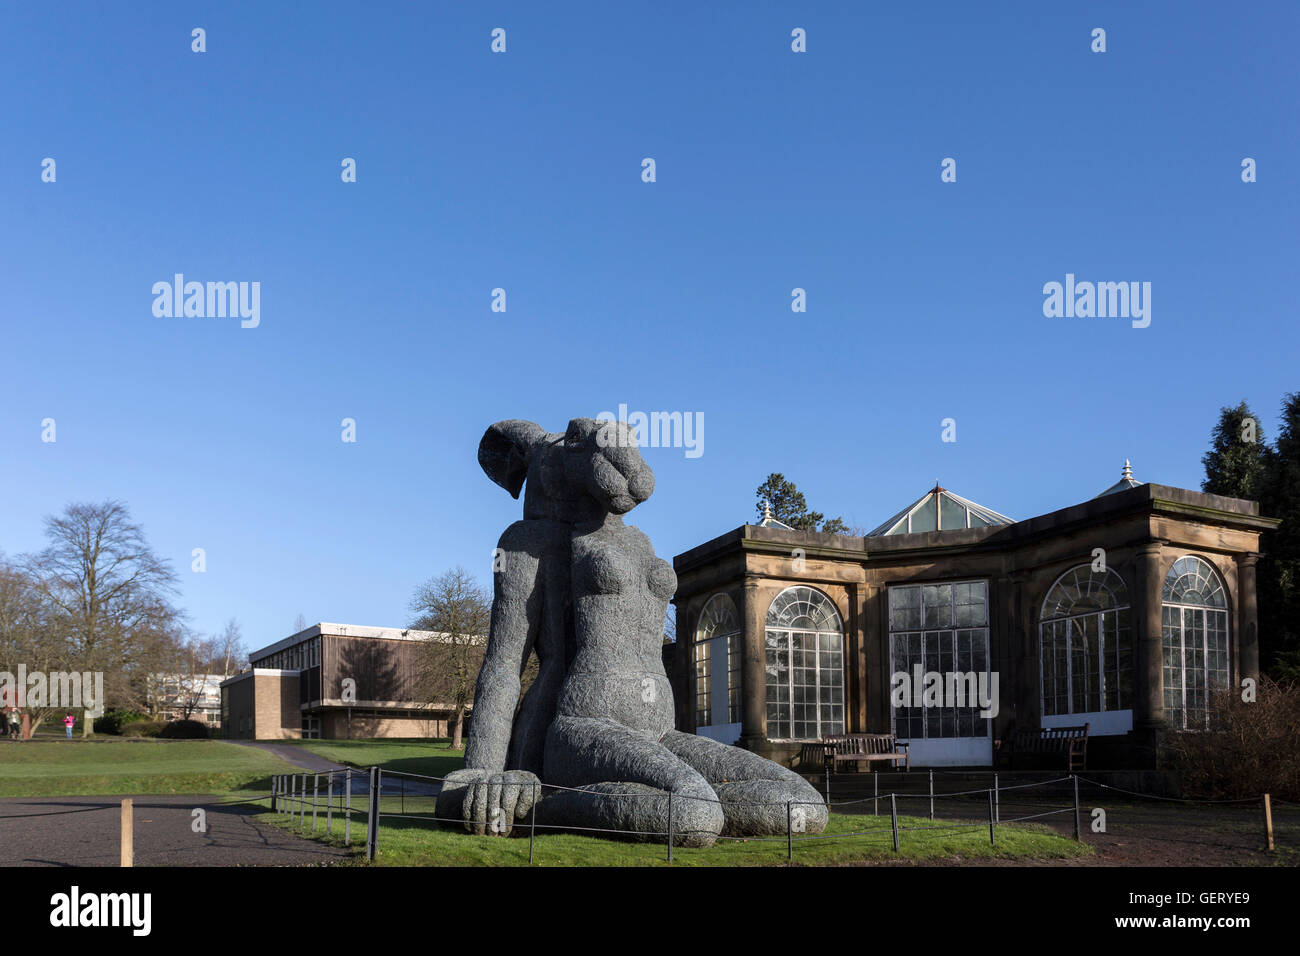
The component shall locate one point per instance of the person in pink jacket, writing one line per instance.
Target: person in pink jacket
(68, 721)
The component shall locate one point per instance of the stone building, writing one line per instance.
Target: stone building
(298, 687)
(1123, 612)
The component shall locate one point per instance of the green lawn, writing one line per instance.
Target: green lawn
(408, 842)
(430, 757)
(111, 766)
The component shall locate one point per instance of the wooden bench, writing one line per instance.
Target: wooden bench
(856, 748)
(1048, 742)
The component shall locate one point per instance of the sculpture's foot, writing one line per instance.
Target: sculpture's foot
(621, 780)
(630, 811)
(759, 797)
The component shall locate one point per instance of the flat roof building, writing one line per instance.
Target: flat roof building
(337, 681)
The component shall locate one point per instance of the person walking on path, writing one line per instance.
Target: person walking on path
(15, 729)
(68, 721)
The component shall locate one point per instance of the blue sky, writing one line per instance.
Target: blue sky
(522, 171)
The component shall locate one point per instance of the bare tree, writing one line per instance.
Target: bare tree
(458, 610)
(198, 659)
(231, 653)
(28, 635)
(110, 595)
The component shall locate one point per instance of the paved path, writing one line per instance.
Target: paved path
(393, 784)
(297, 756)
(84, 831)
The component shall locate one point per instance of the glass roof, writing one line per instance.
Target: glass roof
(940, 510)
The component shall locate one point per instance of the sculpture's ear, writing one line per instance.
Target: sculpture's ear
(505, 451)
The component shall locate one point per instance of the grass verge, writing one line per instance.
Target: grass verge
(856, 839)
(110, 766)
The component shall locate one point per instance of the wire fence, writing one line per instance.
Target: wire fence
(376, 794)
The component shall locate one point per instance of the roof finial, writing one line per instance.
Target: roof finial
(767, 510)
(1128, 471)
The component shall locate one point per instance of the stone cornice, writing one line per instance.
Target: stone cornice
(1148, 499)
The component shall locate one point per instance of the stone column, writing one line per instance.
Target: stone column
(868, 707)
(753, 727)
(682, 679)
(1148, 689)
(1017, 681)
(1247, 664)
(852, 673)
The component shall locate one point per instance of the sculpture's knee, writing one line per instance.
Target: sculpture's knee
(698, 818)
(766, 807)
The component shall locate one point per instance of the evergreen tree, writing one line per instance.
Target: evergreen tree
(1279, 569)
(1237, 463)
(788, 506)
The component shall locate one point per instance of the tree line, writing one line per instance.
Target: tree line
(1242, 464)
(98, 599)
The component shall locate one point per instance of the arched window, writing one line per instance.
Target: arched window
(717, 641)
(1085, 644)
(1194, 619)
(805, 666)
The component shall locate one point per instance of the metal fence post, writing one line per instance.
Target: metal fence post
(347, 809)
(329, 801)
(789, 835)
(931, 794)
(670, 826)
(893, 816)
(532, 825)
(990, 818)
(274, 780)
(372, 817)
(828, 786)
(1076, 805)
(875, 792)
(315, 794)
(997, 800)
(293, 790)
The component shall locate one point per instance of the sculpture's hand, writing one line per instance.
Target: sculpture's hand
(487, 802)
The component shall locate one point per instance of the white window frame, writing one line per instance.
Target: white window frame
(953, 628)
(1207, 609)
(1068, 620)
(837, 723)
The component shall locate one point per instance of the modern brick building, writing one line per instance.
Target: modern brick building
(1123, 612)
(338, 681)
